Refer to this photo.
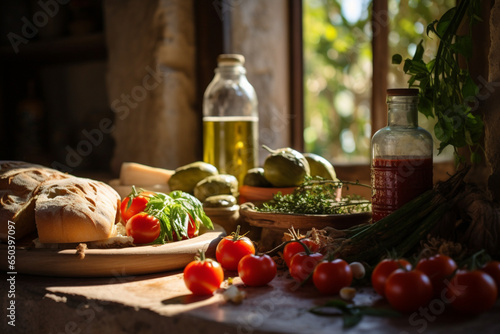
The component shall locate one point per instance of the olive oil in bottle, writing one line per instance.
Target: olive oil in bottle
(230, 119)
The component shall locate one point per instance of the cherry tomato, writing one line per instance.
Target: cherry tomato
(134, 204)
(492, 268)
(472, 292)
(302, 265)
(203, 276)
(143, 228)
(437, 268)
(231, 250)
(331, 276)
(295, 247)
(382, 271)
(407, 291)
(192, 231)
(255, 270)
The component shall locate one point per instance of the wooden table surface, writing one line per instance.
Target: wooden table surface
(161, 303)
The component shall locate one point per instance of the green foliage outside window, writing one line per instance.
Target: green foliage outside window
(338, 69)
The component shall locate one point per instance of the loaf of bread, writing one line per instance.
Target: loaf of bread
(76, 210)
(61, 207)
(19, 184)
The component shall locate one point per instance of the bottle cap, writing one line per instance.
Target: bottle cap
(231, 59)
(402, 92)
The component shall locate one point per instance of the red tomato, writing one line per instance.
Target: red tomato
(437, 268)
(231, 250)
(382, 271)
(192, 231)
(203, 276)
(255, 270)
(295, 247)
(302, 265)
(143, 228)
(331, 276)
(472, 292)
(492, 268)
(407, 291)
(137, 204)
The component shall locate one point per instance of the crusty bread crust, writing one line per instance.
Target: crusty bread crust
(19, 183)
(75, 210)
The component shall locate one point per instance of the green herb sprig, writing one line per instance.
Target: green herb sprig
(174, 210)
(316, 196)
(447, 91)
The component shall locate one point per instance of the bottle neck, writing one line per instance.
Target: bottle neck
(230, 71)
(402, 111)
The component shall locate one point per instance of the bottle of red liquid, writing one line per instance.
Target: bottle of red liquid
(401, 155)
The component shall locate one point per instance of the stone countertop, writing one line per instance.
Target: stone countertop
(160, 303)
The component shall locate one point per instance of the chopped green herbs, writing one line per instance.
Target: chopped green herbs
(317, 196)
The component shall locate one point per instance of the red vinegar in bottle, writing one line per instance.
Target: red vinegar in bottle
(401, 155)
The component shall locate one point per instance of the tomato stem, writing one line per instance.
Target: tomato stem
(476, 260)
(330, 256)
(200, 256)
(306, 249)
(296, 238)
(236, 235)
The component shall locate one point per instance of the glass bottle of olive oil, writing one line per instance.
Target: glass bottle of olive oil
(230, 119)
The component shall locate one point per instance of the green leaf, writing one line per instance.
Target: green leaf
(412, 80)
(475, 126)
(336, 303)
(351, 320)
(425, 106)
(440, 132)
(419, 52)
(458, 158)
(444, 22)
(463, 45)
(397, 59)
(326, 311)
(351, 313)
(431, 27)
(442, 146)
(475, 158)
(174, 211)
(468, 138)
(418, 67)
(424, 80)
(407, 65)
(469, 89)
(430, 65)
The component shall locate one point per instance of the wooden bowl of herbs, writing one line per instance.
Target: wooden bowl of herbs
(314, 204)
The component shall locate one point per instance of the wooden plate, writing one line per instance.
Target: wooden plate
(283, 221)
(113, 262)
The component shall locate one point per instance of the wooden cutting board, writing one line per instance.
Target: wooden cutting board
(113, 262)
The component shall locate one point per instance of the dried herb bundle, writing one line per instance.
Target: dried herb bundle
(403, 230)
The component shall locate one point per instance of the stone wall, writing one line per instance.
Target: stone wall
(151, 81)
(260, 33)
(491, 106)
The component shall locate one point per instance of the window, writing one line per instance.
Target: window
(342, 69)
(337, 79)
